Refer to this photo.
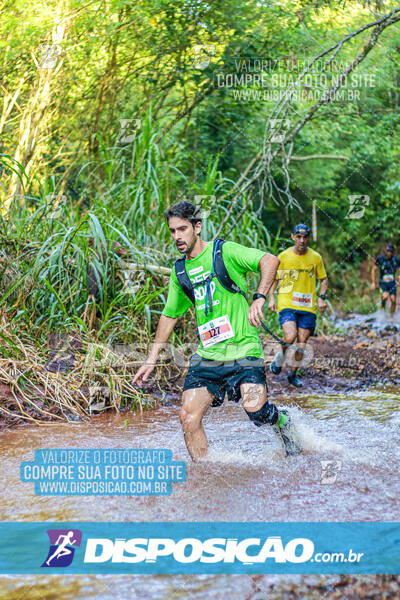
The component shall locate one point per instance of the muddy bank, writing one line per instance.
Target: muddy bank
(357, 360)
(343, 364)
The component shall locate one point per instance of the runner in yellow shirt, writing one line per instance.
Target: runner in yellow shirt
(299, 270)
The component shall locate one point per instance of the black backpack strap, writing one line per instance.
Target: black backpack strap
(221, 271)
(183, 278)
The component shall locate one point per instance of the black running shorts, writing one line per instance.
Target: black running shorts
(222, 378)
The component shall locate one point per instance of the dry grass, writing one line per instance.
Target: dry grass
(98, 379)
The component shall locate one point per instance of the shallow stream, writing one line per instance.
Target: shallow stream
(246, 477)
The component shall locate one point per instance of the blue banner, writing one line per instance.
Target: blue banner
(158, 548)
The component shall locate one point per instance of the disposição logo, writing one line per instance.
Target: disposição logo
(63, 543)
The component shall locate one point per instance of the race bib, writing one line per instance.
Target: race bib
(388, 278)
(215, 331)
(300, 299)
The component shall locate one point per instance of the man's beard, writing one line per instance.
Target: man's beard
(186, 249)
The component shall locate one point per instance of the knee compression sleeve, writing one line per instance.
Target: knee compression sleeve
(267, 414)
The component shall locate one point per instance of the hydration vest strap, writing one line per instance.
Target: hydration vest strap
(209, 298)
(218, 270)
(221, 271)
(183, 278)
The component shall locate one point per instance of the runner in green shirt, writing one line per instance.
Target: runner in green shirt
(229, 358)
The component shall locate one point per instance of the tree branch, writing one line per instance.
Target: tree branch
(324, 156)
(264, 159)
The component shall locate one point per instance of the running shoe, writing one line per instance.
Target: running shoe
(287, 434)
(294, 380)
(273, 367)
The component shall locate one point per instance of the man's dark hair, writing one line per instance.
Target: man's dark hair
(390, 247)
(184, 210)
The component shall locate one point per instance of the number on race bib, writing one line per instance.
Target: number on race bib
(215, 331)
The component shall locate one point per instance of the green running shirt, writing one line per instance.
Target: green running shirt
(238, 260)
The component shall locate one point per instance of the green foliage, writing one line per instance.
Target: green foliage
(73, 181)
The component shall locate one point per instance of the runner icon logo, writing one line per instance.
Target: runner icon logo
(61, 551)
(50, 56)
(357, 206)
(129, 129)
(330, 471)
(202, 54)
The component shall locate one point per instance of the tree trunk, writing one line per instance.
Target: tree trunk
(33, 119)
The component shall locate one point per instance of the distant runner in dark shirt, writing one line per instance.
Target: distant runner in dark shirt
(387, 264)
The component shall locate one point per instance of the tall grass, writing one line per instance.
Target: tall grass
(61, 269)
(57, 249)
(138, 181)
(60, 261)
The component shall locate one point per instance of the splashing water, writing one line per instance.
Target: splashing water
(245, 477)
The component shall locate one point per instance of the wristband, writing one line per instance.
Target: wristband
(258, 295)
(322, 296)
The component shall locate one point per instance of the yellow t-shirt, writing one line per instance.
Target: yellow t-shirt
(297, 275)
